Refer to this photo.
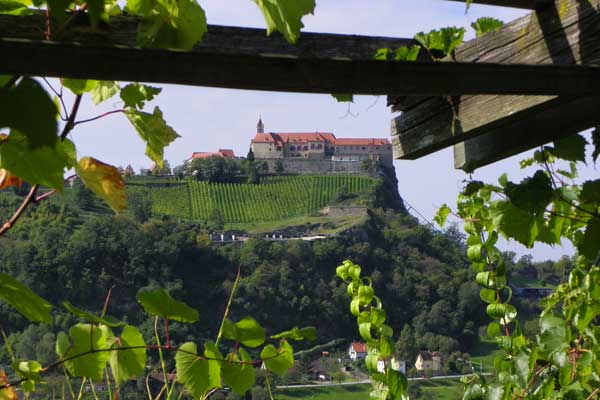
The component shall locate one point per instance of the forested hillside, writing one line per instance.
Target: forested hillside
(421, 276)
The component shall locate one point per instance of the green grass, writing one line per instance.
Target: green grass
(439, 389)
(346, 392)
(523, 281)
(484, 351)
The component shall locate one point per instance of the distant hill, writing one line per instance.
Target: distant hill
(273, 199)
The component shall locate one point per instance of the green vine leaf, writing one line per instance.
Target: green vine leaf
(441, 215)
(83, 339)
(590, 192)
(28, 370)
(285, 16)
(307, 333)
(445, 40)
(80, 86)
(589, 245)
(596, 143)
(104, 91)
(396, 383)
(26, 302)
(44, 165)
(571, 148)
(160, 303)
(57, 8)
(153, 129)
(486, 24)
(238, 372)
(532, 194)
(246, 331)
(126, 364)
(29, 109)
(278, 360)
(515, 223)
(169, 24)
(136, 95)
(343, 97)
(10, 7)
(198, 375)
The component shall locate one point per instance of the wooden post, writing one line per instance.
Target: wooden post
(565, 34)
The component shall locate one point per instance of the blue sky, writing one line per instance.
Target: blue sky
(208, 119)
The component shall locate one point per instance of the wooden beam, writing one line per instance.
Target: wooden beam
(525, 4)
(540, 126)
(565, 34)
(246, 59)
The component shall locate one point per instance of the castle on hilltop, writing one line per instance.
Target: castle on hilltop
(318, 152)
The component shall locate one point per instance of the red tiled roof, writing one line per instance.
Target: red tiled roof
(362, 142)
(226, 153)
(326, 137)
(359, 347)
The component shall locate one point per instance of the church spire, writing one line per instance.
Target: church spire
(260, 127)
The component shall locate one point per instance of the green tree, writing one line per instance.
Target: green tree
(216, 220)
(139, 203)
(250, 155)
(82, 196)
(279, 168)
(406, 346)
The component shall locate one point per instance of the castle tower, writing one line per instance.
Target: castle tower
(260, 127)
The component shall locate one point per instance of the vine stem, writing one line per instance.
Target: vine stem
(83, 121)
(227, 308)
(31, 195)
(71, 121)
(160, 353)
(28, 200)
(125, 348)
(593, 394)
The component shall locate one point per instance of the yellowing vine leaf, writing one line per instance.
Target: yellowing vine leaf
(104, 180)
(153, 129)
(285, 16)
(8, 393)
(7, 179)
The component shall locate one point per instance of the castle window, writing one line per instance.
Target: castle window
(364, 148)
(305, 148)
(292, 148)
(319, 146)
(312, 145)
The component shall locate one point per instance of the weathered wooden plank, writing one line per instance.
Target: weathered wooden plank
(565, 34)
(539, 127)
(218, 39)
(245, 59)
(526, 4)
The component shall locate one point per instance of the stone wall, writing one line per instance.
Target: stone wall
(345, 211)
(308, 166)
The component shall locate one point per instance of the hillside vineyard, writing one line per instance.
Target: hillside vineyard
(273, 199)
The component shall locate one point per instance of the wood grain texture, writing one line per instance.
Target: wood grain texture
(526, 4)
(535, 129)
(244, 58)
(565, 34)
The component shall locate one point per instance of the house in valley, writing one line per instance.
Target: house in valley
(357, 351)
(429, 361)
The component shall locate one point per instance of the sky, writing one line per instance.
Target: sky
(208, 119)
